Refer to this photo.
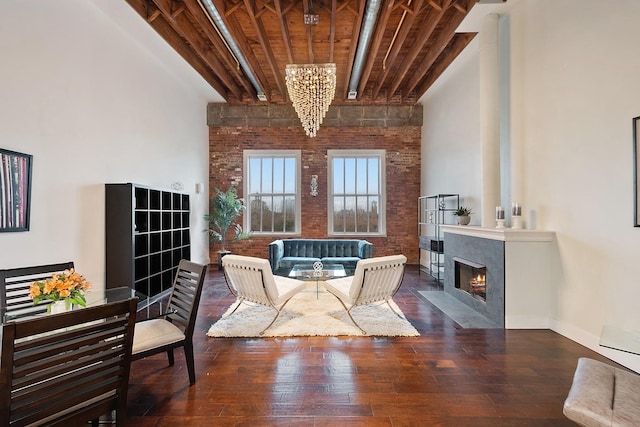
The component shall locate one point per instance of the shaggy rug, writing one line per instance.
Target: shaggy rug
(305, 315)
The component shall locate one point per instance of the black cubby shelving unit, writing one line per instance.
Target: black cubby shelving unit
(147, 234)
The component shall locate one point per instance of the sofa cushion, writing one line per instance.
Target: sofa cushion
(342, 248)
(289, 262)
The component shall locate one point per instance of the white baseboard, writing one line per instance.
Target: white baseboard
(628, 360)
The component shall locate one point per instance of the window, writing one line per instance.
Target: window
(356, 198)
(272, 191)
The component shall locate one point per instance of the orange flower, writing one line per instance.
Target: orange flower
(66, 285)
(34, 290)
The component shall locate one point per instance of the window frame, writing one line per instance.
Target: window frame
(363, 153)
(247, 156)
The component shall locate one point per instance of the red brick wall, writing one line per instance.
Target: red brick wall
(402, 145)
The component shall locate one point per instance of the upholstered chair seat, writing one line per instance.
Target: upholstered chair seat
(156, 332)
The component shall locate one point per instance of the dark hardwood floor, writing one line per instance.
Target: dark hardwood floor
(448, 376)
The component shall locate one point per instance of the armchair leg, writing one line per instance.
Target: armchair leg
(240, 301)
(397, 314)
(348, 310)
(277, 315)
(353, 320)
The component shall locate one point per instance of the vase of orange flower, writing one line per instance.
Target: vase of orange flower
(66, 288)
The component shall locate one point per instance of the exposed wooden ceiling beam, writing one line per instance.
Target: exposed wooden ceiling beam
(354, 45)
(232, 66)
(307, 10)
(458, 44)
(435, 50)
(332, 31)
(162, 27)
(191, 35)
(383, 17)
(284, 29)
(266, 47)
(406, 25)
(240, 39)
(428, 26)
(152, 11)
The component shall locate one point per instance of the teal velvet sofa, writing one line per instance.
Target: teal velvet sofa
(285, 253)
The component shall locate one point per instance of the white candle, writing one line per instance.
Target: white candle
(516, 209)
(499, 212)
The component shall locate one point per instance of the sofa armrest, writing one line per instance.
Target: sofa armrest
(365, 249)
(276, 252)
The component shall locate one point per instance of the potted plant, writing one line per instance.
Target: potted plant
(463, 213)
(226, 207)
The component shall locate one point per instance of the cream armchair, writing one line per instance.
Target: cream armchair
(375, 279)
(250, 279)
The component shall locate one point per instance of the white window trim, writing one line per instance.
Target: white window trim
(247, 154)
(382, 155)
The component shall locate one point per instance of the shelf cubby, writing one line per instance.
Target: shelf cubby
(154, 243)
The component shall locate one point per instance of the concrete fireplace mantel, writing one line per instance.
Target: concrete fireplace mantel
(519, 273)
(504, 234)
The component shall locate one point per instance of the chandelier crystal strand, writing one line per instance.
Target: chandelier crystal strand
(311, 89)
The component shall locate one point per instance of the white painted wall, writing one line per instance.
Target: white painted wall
(574, 90)
(451, 131)
(96, 96)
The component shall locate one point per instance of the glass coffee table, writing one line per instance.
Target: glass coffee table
(319, 273)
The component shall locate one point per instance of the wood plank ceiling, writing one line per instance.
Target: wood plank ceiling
(410, 43)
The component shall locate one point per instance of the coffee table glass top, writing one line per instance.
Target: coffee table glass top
(306, 272)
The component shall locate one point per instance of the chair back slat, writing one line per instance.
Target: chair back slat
(381, 279)
(250, 279)
(69, 367)
(14, 288)
(185, 295)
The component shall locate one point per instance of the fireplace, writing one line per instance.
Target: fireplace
(474, 274)
(471, 277)
(514, 262)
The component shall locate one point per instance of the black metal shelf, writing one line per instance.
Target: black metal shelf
(432, 212)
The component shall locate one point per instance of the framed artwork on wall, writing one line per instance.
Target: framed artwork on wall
(636, 178)
(15, 190)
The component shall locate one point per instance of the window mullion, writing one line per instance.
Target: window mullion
(284, 195)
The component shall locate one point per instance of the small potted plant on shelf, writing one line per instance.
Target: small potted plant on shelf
(463, 213)
(226, 207)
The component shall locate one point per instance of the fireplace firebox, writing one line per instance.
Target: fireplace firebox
(471, 277)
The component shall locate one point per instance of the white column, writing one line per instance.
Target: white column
(495, 123)
(489, 119)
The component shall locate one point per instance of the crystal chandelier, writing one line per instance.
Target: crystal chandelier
(311, 89)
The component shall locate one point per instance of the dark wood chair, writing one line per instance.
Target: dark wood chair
(175, 328)
(14, 288)
(68, 368)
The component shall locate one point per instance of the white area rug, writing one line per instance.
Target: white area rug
(305, 315)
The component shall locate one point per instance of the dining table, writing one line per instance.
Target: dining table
(148, 306)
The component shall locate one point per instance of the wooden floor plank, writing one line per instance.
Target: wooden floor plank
(449, 376)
